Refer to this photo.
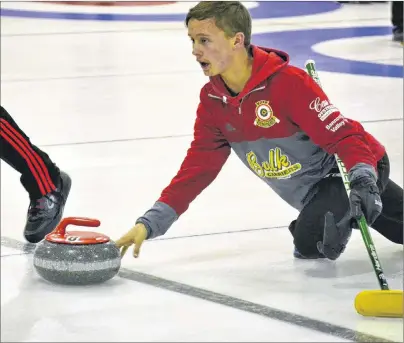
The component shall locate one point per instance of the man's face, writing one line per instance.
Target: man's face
(213, 50)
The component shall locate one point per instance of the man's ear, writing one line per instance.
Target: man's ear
(238, 40)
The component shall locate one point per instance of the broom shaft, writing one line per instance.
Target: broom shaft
(367, 238)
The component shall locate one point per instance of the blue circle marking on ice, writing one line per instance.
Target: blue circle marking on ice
(263, 10)
(298, 44)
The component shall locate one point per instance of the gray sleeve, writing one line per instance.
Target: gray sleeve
(158, 219)
(361, 170)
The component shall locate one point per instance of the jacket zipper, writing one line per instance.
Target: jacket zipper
(224, 98)
(242, 99)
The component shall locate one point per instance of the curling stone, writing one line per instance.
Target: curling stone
(76, 257)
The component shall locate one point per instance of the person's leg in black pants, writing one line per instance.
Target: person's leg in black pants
(390, 221)
(46, 185)
(397, 20)
(331, 196)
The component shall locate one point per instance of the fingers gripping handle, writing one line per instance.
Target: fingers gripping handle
(78, 221)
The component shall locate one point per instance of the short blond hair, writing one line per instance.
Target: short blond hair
(230, 16)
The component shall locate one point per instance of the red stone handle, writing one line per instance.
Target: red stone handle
(79, 221)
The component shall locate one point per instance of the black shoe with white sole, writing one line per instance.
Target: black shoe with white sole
(46, 212)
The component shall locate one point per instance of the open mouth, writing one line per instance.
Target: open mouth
(204, 65)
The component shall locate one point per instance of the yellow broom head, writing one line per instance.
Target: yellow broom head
(380, 303)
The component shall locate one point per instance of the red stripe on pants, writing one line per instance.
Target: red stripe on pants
(34, 161)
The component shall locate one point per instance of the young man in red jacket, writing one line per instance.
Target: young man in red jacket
(286, 131)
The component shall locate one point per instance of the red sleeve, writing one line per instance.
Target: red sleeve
(205, 158)
(315, 114)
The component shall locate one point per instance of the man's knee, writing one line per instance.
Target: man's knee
(305, 242)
